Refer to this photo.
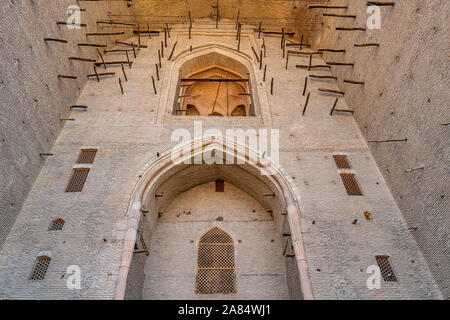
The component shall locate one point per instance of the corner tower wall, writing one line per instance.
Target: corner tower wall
(405, 96)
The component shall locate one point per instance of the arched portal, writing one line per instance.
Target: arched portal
(283, 204)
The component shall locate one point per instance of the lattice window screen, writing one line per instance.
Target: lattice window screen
(216, 271)
(77, 180)
(40, 268)
(87, 156)
(341, 162)
(351, 185)
(56, 224)
(386, 268)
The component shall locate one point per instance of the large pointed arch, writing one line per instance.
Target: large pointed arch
(153, 172)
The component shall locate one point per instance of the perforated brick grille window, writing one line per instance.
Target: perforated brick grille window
(342, 162)
(56, 225)
(386, 268)
(351, 185)
(87, 156)
(40, 268)
(216, 272)
(77, 180)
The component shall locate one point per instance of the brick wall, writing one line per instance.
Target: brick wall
(405, 96)
(33, 100)
(127, 134)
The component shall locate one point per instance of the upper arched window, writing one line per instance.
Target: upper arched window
(239, 111)
(191, 110)
(216, 271)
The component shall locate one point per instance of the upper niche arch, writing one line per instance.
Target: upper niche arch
(221, 55)
(247, 176)
(210, 96)
(214, 98)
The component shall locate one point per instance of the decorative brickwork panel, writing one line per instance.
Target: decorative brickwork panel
(40, 268)
(342, 162)
(351, 185)
(87, 156)
(216, 272)
(386, 268)
(77, 180)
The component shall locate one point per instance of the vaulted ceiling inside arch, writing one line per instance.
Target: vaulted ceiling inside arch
(293, 15)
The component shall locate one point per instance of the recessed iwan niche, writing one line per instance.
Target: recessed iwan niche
(214, 91)
(212, 82)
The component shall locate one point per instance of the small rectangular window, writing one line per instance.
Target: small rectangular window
(386, 268)
(40, 268)
(77, 180)
(341, 162)
(87, 156)
(351, 185)
(220, 186)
